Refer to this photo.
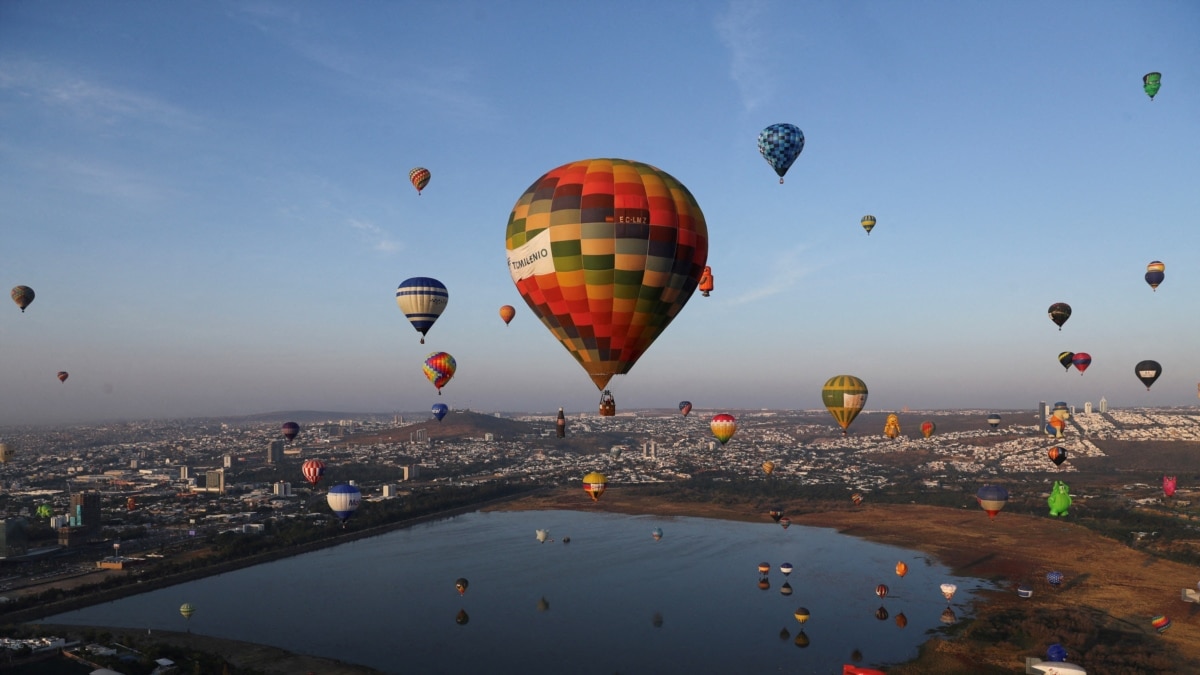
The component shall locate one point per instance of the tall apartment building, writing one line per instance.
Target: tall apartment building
(214, 481)
(275, 452)
(84, 510)
(1103, 404)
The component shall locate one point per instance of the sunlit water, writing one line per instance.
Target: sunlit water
(615, 600)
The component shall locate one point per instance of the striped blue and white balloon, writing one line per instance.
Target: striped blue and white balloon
(422, 299)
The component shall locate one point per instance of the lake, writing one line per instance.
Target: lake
(613, 600)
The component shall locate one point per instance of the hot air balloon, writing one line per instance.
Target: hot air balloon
(507, 312)
(785, 522)
(802, 640)
(313, 470)
(785, 589)
(439, 368)
(786, 568)
(776, 514)
(706, 281)
(1054, 578)
(1059, 500)
(1055, 427)
(594, 484)
(868, 224)
(606, 252)
(343, 501)
(542, 536)
(881, 613)
(844, 396)
(422, 300)
(901, 620)
(1169, 486)
(991, 499)
(62, 376)
(780, 145)
(891, 427)
(1056, 653)
(927, 428)
(1066, 359)
(901, 569)
(419, 177)
(290, 430)
(6, 453)
(1024, 591)
(1150, 84)
(44, 511)
(1059, 313)
(1161, 623)
(948, 591)
(685, 407)
(857, 498)
(764, 584)
(993, 420)
(764, 568)
(439, 410)
(656, 533)
(723, 426)
(768, 467)
(22, 295)
(1147, 371)
(881, 590)
(1057, 455)
(462, 618)
(948, 616)
(187, 610)
(1155, 274)
(802, 615)
(1081, 361)
(460, 585)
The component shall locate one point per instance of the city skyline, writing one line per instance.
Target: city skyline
(211, 201)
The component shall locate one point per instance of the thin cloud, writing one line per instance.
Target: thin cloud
(741, 30)
(61, 89)
(786, 272)
(375, 237)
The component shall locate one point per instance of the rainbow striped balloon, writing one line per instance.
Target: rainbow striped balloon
(1161, 623)
(439, 368)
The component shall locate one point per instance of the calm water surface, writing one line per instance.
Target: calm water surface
(613, 600)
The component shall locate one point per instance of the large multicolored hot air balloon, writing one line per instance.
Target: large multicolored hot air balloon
(439, 367)
(1150, 84)
(22, 295)
(507, 312)
(419, 177)
(1169, 486)
(1155, 273)
(685, 407)
(1066, 359)
(844, 396)
(1059, 313)
(1147, 371)
(1081, 361)
(290, 430)
(594, 484)
(63, 375)
(723, 426)
(927, 428)
(422, 299)
(780, 144)
(868, 224)
(439, 410)
(606, 252)
(992, 499)
(313, 470)
(343, 501)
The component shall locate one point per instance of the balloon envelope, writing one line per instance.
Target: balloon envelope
(1059, 313)
(1081, 361)
(594, 484)
(993, 421)
(439, 410)
(1066, 359)
(992, 499)
(22, 295)
(187, 610)
(881, 590)
(606, 252)
(948, 591)
(62, 376)
(1057, 455)
(1150, 84)
(723, 427)
(507, 312)
(1155, 273)
(780, 144)
(901, 569)
(343, 501)
(313, 470)
(927, 428)
(868, 223)
(1147, 371)
(290, 430)
(685, 407)
(422, 300)
(439, 367)
(844, 396)
(419, 177)
(461, 585)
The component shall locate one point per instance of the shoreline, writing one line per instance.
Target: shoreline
(1117, 587)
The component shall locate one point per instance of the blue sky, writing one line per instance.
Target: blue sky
(211, 199)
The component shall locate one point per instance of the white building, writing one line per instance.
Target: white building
(282, 489)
